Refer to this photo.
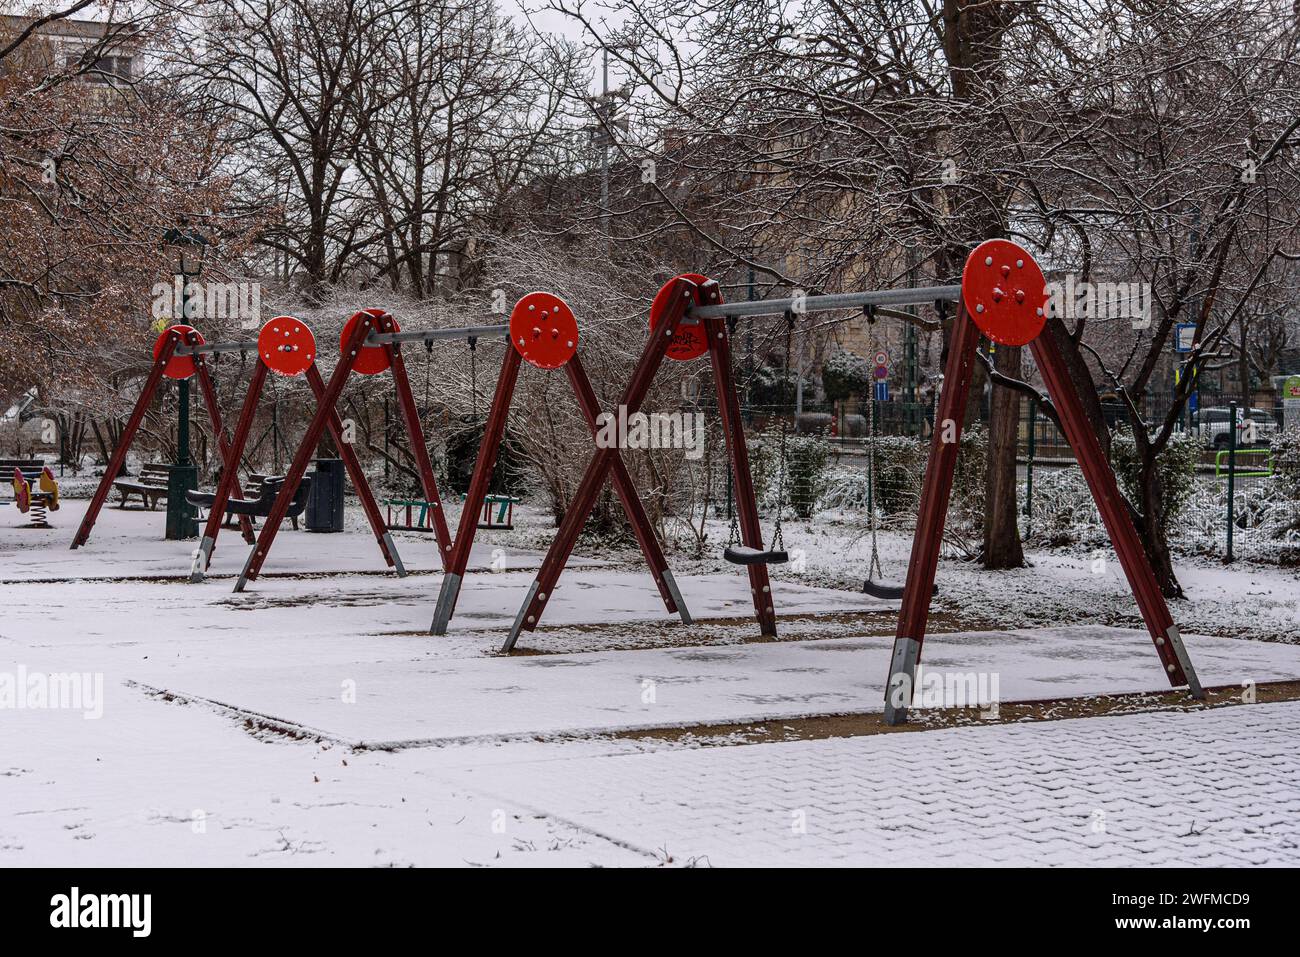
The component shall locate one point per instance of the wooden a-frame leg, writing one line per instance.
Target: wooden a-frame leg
(493, 433)
(209, 392)
(357, 476)
(593, 479)
(419, 449)
(1168, 640)
(325, 409)
(230, 476)
(733, 432)
(633, 507)
(935, 493)
(118, 458)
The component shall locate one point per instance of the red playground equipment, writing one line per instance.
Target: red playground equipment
(682, 337)
(178, 353)
(286, 347)
(370, 344)
(544, 333)
(1004, 296)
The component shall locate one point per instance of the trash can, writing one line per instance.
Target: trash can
(325, 499)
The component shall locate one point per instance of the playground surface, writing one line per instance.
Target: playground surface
(312, 720)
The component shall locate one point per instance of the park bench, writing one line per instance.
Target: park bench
(151, 485)
(259, 496)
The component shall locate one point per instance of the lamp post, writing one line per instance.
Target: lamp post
(188, 248)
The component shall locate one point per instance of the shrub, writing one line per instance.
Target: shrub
(1176, 467)
(844, 375)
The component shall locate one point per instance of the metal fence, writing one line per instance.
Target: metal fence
(1234, 495)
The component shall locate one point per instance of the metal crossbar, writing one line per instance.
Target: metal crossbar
(433, 335)
(826, 303)
(208, 348)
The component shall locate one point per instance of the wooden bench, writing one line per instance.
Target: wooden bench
(253, 489)
(150, 486)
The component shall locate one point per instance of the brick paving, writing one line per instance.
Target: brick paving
(1211, 788)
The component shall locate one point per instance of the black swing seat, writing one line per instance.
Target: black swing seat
(259, 507)
(744, 555)
(888, 590)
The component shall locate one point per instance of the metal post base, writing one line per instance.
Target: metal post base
(387, 541)
(243, 576)
(202, 557)
(447, 596)
(902, 675)
(518, 626)
(671, 584)
(1185, 661)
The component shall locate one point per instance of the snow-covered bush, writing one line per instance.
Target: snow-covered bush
(1063, 512)
(844, 375)
(1176, 466)
(806, 458)
(771, 387)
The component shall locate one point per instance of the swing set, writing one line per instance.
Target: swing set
(1003, 295)
(544, 333)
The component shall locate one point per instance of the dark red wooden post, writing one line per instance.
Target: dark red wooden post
(356, 474)
(493, 433)
(1114, 514)
(935, 493)
(209, 393)
(229, 477)
(733, 431)
(415, 434)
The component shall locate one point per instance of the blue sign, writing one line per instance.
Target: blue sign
(882, 390)
(1184, 336)
(1193, 401)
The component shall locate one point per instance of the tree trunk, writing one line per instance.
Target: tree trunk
(1151, 527)
(1002, 547)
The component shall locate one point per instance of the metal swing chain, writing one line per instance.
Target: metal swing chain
(778, 542)
(873, 568)
(473, 377)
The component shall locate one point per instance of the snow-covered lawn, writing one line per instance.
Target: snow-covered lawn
(254, 728)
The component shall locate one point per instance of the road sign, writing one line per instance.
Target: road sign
(882, 358)
(1291, 387)
(882, 372)
(1184, 336)
(882, 390)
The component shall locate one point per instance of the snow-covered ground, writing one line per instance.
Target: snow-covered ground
(311, 719)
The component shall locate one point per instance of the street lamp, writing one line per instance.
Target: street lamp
(187, 249)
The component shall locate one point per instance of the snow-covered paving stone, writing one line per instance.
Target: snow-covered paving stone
(411, 703)
(1209, 788)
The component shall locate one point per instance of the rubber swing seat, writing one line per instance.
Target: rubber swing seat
(888, 590)
(744, 555)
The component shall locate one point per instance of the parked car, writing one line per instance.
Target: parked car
(1265, 425)
(1211, 426)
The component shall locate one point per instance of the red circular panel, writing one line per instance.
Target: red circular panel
(1004, 292)
(286, 346)
(543, 330)
(371, 360)
(689, 341)
(180, 367)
